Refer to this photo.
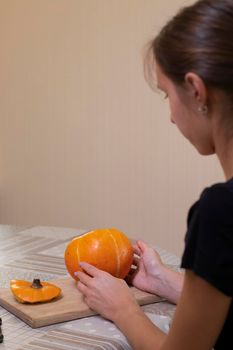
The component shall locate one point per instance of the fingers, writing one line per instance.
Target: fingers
(142, 246)
(85, 292)
(89, 269)
(136, 261)
(82, 288)
(136, 249)
(129, 278)
(86, 275)
(83, 277)
(132, 270)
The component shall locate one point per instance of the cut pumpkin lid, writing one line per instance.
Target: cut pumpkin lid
(34, 292)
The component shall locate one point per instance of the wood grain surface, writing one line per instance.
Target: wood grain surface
(69, 306)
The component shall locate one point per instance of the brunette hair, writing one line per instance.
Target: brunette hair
(198, 39)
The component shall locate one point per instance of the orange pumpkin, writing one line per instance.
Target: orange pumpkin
(107, 249)
(34, 292)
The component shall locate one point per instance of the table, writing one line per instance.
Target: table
(26, 251)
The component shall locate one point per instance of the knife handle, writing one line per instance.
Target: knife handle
(1, 335)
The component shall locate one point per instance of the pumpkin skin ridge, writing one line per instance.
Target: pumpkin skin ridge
(126, 254)
(99, 249)
(78, 255)
(117, 252)
(114, 248)
(108, 249)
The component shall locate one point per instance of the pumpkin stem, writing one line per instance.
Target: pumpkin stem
(36, 284)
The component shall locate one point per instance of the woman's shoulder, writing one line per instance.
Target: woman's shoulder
(217, 199)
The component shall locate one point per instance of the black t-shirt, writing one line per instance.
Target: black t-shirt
(209, 246)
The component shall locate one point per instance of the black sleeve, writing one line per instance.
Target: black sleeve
(209, 240)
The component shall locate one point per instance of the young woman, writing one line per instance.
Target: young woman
(193, 65)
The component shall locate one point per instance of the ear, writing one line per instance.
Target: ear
(197, 87)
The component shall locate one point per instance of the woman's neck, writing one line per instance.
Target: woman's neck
(222, 133)
(224, 152)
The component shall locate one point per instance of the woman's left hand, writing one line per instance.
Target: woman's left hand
(107, 295)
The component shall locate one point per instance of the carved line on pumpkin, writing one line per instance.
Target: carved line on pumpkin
(117, 253)
(78, 256)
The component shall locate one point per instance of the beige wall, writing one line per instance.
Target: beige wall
(84, 142)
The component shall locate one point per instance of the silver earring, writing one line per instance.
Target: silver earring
(203, 109)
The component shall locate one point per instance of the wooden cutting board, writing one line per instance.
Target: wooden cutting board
(69, 306)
